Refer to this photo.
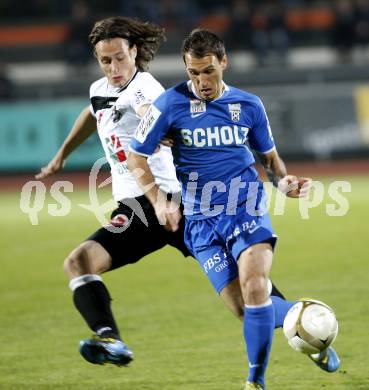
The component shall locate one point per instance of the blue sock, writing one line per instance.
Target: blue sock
(281, 308)
(258, 328)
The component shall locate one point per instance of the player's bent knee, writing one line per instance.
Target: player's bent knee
(254, 283)
(254, 289)
(73, 261)
(88, 258)
(77, 262)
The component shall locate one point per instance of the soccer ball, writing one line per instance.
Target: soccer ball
(310, 326)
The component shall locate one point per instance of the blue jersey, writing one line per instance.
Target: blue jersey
(212, 140)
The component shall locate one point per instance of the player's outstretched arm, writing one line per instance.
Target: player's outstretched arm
(292, 186)
(83, 127)
(273, 165)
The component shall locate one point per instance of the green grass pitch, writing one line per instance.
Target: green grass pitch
(182, 335)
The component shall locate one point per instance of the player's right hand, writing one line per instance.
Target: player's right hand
(168, 214)
(295, 187)
(55, 165)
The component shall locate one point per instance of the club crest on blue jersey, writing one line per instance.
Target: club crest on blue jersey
(197, 107)
(235, 111)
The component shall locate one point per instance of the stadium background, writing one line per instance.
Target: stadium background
(308, 60)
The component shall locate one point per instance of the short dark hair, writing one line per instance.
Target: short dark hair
(202, 42)
(146, 36)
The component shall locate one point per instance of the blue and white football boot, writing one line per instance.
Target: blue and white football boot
(101, 350)
(327, 360)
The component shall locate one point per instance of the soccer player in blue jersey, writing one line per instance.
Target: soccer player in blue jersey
(227, 224)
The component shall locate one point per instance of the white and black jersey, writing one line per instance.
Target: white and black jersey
(115, 110)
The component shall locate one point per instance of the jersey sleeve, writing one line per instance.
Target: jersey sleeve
(145, 92)
(260, 136)
(152, 128)
(90, 106)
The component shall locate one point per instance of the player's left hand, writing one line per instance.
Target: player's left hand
(295, 187)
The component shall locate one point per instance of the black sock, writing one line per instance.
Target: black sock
(276, 292)
(92, 300)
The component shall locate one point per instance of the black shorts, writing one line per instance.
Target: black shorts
(136, 240)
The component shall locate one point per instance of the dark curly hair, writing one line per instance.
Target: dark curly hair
(202, 42)
(146, 36)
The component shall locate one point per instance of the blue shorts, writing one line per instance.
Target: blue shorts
(218, 241)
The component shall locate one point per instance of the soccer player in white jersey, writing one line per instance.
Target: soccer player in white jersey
(214, 127)
(123, 48)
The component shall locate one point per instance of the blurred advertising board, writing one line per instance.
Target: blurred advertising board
(308, 122)
(31, 133)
